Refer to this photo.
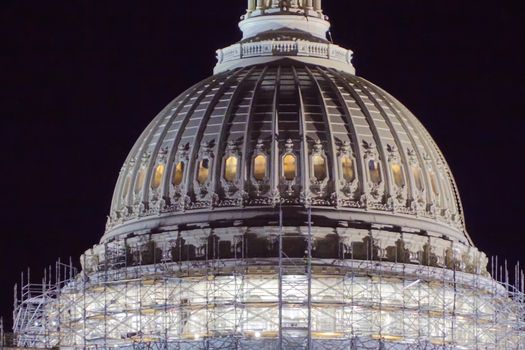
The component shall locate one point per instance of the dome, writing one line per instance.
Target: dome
(290, 134)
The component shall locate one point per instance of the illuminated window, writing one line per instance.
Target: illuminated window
(397, 171)
(204, 171)
(348, 169)
(434, 184)
(139, 182)
(178, 174)
(289, 167)
(157, 177)
(375, 171)
(416, 171)
(125, 189)
(230, 168)
(259, 167)
(319, 164)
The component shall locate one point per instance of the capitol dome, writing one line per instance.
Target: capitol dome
(284, 203)
(288, 133)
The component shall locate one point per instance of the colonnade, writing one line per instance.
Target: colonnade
(266, 4)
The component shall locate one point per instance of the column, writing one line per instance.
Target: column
(251, 5)
(317, 5)
(309, 4)
(260, 4)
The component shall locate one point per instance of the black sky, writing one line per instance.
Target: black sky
(81, 79)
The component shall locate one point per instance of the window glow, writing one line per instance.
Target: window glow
(375, 171)
(259, 167)
(178, 174)
(416, 171)
(319, 164)
(434, 184)
(157, 177)
(230, 169)
(204, 171)
(348, 169)
(289, 167)
(397, 171)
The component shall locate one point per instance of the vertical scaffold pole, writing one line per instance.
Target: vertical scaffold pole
(309, 276)
(280, 277)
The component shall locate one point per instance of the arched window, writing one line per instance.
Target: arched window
(204, 171)
(139, 181)
(348, 169)
(178, 174)
(259, 167)
(125, 189)
(289, 167)
(433, 183)
(418, 179)
(157, 176)
(397, 172)
(319, 165)
(374, 169)
(230, 168)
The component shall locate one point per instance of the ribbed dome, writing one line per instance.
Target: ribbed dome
(290, 134)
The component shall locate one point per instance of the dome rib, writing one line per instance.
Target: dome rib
(330, 137)
(302, 125)
(140, 157)
(401, 150)
(414, 146)
(246, 145)
(376, 137)
(429, 152)
(155, 153)
(185, 119)
(198, 137)
(355, 139)
(222, 143)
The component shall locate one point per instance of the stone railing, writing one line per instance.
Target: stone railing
(284, 48)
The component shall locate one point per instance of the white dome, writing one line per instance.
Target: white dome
(217, 153)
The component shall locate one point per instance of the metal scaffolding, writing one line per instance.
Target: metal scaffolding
(273, 303)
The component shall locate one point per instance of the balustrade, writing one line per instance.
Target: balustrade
(268, 4)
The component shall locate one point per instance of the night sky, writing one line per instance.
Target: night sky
(81, 79)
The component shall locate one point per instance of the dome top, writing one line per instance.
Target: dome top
(236, 145)
(295, 29)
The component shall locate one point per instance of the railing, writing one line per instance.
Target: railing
(284, 48)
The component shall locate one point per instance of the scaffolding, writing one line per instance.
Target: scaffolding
(275, 303)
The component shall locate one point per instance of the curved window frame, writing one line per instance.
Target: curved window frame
(284, 170)
(433, 183)
(398, 174)
(225, 168)
(140, 178)
(125, 188)
(342, 168)
(178, 175)
(156, 178)
(206, 177)
(377, 180)
(313, 169)
(417, 174)
(254, 167)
